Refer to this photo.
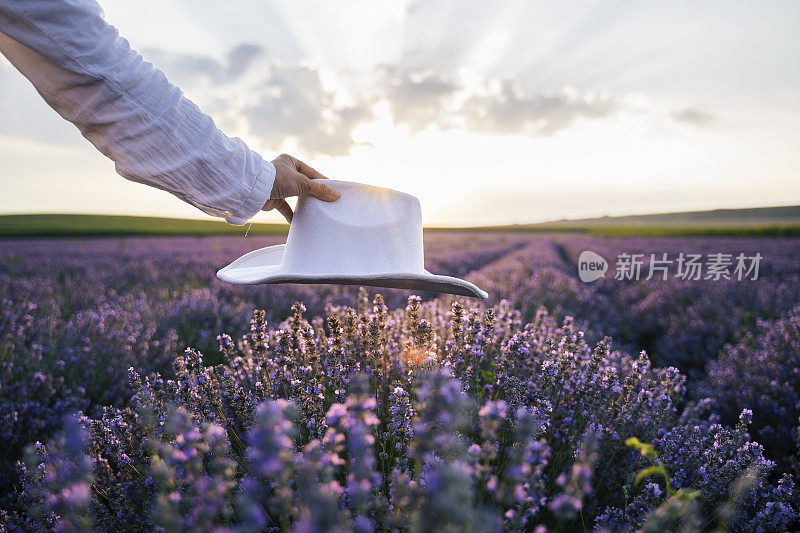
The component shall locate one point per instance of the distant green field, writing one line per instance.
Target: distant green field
(791, 230)
(759, 221)
(741, 222)
(91, 225)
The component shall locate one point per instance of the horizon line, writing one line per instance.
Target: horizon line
(436, 226)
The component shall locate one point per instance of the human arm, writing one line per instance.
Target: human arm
(130, 111)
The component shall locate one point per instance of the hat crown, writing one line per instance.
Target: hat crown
(368, 229)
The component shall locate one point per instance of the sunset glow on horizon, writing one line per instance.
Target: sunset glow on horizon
(513, 112)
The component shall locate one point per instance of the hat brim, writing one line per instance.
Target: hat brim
(264, 267)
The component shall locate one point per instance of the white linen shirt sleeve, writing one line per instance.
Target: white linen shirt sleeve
(129, 110)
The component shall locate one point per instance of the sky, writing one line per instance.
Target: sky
(490, 112)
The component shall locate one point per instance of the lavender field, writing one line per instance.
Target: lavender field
(139, 393)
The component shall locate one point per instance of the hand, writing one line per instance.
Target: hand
(294, 178)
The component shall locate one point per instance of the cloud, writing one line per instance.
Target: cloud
(693, 117)
(418, 98)
(191, 68)
(508, 110)
(277, 102)
(280, 102)
(294, 103)
(424, 98)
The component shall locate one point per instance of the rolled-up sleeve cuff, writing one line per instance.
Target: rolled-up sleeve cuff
(258, 196)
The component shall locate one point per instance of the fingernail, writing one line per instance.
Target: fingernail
(336, 194)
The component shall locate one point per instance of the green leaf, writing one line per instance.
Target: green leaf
(645, 449)
(654, 470)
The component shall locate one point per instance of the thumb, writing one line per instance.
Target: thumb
(322, 191)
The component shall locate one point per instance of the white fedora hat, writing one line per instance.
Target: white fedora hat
(370, 236)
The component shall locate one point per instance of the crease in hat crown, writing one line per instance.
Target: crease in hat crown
(369, 236)
(368, 229)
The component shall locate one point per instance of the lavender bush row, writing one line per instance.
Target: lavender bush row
(77, 314)
(687, 323)
(415, 419)
(760, 373)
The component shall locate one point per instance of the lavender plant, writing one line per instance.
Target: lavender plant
(412, 419)
(351, 412)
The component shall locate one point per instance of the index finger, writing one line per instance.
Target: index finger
(309, 172)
